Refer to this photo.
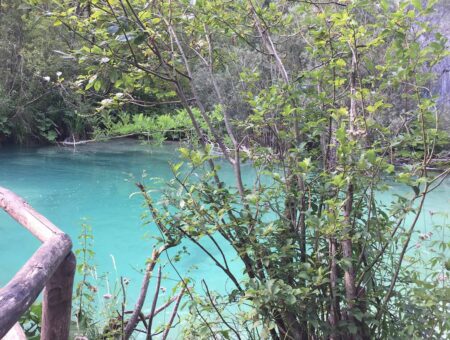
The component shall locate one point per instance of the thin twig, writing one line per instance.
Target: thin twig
(155, 300)
(174, 313)
(218, 312)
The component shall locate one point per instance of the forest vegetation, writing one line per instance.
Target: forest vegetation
(327, 100)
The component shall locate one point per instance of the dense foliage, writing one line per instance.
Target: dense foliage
(322, 98)
(37, 103)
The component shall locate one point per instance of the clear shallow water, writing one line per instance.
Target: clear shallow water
(94, 183)
(91, 182)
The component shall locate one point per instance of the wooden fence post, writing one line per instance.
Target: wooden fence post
(15, 333)
(57, 301)
(51, 269)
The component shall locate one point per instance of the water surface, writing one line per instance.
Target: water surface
(93, 182)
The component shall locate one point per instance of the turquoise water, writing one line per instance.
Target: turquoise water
(92, 182)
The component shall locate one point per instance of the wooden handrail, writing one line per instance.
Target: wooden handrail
(23, 213)
(52, 266)
(15, 333)
(18, 295)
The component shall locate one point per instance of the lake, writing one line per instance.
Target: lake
(92, 184)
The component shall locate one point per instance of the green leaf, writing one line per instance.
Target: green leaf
(417, 4)
(341, 62)
(371, 156)
(176, 167)
(97, 85)
(447, 265)
(184, 152)
(51, 136)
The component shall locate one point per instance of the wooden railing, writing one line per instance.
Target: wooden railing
(51, 268)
